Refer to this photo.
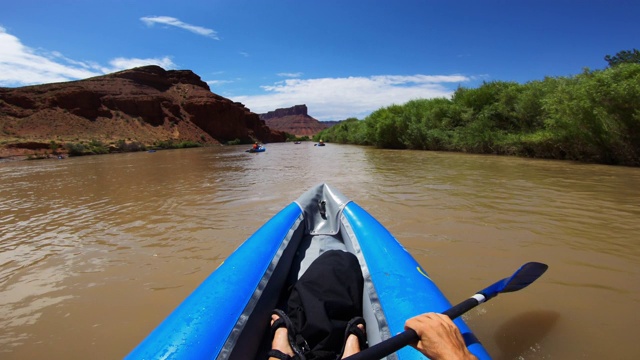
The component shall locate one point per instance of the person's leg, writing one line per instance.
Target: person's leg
(280, 342)
(352, 345)
(325, 298)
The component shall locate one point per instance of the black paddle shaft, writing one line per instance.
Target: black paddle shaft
(409, 336)
(522, 278)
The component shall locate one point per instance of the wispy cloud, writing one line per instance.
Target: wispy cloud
(21, 65)
(171, 21)
(341, 98)
(118, 64)
(218, 82)
(290, 75)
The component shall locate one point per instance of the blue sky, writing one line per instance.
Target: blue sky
(341, 58)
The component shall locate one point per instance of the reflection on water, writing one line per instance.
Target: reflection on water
(95, 251)
(534, 326)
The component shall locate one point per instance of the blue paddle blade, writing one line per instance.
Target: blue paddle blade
(524, 276)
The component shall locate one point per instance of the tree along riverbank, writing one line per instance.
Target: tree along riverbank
(590, 117)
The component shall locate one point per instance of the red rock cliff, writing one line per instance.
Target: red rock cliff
(145, 104)
(294, 120)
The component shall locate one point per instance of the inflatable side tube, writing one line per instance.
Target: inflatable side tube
(403, 287)
(200, 325)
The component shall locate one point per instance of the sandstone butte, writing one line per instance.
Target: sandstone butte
(294, 120)
(143, 105)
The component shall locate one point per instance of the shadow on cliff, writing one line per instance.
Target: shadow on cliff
(522, 333)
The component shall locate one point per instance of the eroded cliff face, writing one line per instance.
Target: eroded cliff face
(145, 104)
(294, 120)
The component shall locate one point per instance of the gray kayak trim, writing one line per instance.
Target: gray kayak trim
(230, 348)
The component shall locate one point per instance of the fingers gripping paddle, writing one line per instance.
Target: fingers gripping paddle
(525, 275)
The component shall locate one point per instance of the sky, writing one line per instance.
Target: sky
(341, 58)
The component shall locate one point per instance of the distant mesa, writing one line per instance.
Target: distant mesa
(145, 105)
(294, 120)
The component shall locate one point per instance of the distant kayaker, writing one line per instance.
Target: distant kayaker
(255, 146)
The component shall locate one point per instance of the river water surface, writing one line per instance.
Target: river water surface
(96, 251)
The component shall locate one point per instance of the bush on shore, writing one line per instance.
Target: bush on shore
(95, 147)
(591, 117)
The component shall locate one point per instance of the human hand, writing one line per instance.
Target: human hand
(440, 338)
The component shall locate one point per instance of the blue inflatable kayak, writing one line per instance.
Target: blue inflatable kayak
(227, 316)
(259, 149)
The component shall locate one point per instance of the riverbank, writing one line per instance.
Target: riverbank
(38, 150)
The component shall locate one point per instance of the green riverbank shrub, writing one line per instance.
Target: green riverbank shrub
(592, 117)
(93, 147)
(129, 146)
(170, 144)
(293, 138)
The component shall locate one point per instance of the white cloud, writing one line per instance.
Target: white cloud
(21, 65)
(341, 98)
(290, 75)
(118, 64)
(218, 82)
(171, 21)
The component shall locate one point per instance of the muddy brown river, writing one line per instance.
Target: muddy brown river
(96, 251)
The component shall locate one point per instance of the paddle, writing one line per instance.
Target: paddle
(524, 276)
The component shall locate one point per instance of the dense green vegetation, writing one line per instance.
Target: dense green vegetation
(591, 117)
(291, 137)
(624, 57)
(95, 147)
(235, 141)
(92, 147)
